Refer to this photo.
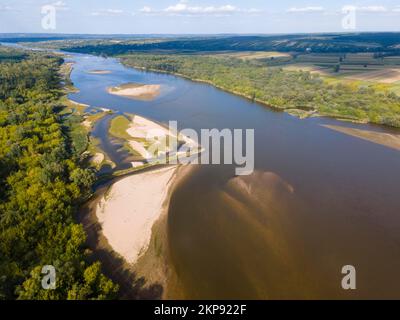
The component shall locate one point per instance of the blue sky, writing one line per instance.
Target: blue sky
(198, 17)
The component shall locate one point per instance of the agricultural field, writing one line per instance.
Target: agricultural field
(358, 69)
(253, 55)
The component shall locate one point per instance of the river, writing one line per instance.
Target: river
(320, 199)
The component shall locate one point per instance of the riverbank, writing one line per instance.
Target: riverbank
(298, 113)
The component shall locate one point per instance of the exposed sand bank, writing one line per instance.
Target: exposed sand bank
(78, 104)
(141, 127)
(98, 158)
(140, 149)
(136, 91)
(99, 72)
(87, 124)
(155, 264)
(131, 207)
(152, 276)
(385, 139)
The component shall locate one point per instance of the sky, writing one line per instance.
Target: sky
(197, 16)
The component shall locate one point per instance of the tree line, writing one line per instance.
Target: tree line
(385, 42)
(42, 185)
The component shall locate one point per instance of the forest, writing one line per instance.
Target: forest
(282, 89)
(42, 184)
(385, 42)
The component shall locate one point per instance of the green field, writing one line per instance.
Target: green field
(118, 127)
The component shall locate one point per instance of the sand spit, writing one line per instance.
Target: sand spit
(78, 104)
(382, 138)
(87, 124)
(139, 148)
(136, 91)
(98, 158)
(129, 209)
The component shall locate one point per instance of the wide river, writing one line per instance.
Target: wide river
(319, 199)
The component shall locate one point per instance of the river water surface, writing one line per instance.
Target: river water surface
(318, 200)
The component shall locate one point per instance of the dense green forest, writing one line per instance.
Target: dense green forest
(278, 88)
(42, 185)
(11, 55)
(386, 42)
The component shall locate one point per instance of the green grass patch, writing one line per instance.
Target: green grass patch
(71, 107)
(118, 127)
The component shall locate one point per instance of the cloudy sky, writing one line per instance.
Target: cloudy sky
(197, 16)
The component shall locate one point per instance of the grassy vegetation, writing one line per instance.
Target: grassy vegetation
(78, 133)
(95, 149)
(70, 107)
(118, 127)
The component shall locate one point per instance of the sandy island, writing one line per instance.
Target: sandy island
(136, 91)
(99, 72)
(129, 209)
(144, 138)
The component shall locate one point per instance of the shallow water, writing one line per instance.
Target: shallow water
(319, 199)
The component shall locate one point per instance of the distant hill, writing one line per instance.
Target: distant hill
(321, 43)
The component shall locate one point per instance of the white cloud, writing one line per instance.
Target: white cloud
(306, 9)
(108, 12)
(396, 9)
(183, 8)
(372, 9)
(146, 9)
